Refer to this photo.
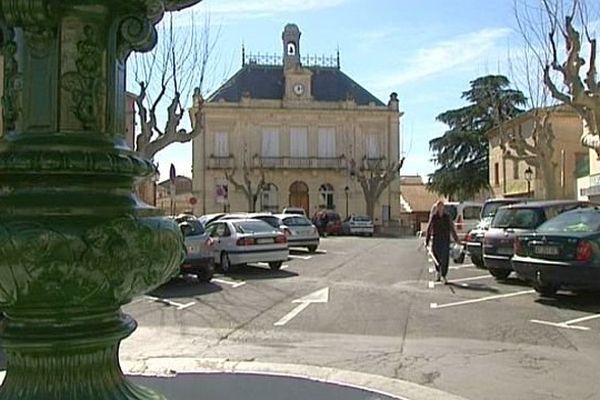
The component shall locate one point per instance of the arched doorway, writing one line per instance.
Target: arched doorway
(326, 192)
(299, 195)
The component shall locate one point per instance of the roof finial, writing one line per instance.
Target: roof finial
(337, 57)
(243, 54)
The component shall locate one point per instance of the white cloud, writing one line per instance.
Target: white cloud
(447, 54)
(232, 9)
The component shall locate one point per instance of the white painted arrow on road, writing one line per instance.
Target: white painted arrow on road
(320, 296)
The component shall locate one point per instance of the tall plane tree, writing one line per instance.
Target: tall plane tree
(462, 152)
(561, 34)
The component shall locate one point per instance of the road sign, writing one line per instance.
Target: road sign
(193, 200)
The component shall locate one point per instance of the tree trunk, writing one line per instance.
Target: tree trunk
(370, 208)
(547, 171)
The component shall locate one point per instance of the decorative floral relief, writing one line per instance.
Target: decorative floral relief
(11, 99)
(86, 85)
(49, 264)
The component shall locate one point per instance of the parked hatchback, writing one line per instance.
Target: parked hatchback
(300, 231)
(358, 225)
(199, 259)
(474, 238)
(563, 253)
(514, 220)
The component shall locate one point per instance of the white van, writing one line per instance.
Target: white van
(465, 214)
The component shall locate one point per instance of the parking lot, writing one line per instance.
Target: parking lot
(370, 305)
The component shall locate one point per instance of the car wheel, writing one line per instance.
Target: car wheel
(225, 263)
(500, 274)
(477, 261)
(312, 249)
(275, 265)
(545, 290)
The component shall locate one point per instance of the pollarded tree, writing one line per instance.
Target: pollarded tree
(562, 30)
(462, 152)
(252, 184)
(374, 177)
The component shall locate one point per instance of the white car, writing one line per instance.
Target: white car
(245, 241)
(300, 231)
(358, 225)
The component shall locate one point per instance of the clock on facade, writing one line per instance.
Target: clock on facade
(298, 89)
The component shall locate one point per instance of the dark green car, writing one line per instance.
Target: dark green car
(563, 253)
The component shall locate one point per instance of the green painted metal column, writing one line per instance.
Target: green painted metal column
(75, 243)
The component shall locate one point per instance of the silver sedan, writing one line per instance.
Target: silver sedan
(301, 232)
(245, 241)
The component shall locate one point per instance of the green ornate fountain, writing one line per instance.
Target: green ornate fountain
(75, 244)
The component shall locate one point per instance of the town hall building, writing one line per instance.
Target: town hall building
(295, 124)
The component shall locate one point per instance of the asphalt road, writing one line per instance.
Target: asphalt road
(368, 305)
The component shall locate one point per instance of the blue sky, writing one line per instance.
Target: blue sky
(427, 51)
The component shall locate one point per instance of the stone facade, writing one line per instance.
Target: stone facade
(507, 176)
(300, 126)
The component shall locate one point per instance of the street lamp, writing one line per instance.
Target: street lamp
(346, 191)
(528, 178)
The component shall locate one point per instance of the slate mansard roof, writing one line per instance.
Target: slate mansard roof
(267, 82)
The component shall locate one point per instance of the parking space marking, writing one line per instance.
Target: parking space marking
(296, 257)
(284, 267)
(482, 299)
(264, 264)
(568, 324)
(175, 304)
(462, 266)
(431, 284)
(233, 283)
(472, 278)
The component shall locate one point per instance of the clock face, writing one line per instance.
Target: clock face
(298, 89)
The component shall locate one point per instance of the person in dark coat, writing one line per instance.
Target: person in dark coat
(441, 228)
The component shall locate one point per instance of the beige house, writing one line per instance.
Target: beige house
(416, 200)
(513, 178)
(299, 121)
(183, 199)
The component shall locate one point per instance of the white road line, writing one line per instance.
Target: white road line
(284, 267)
(568, 324)
(175, 304)
(296, 257)
(431, 284)
(289, 316)
(482, 299)
(473, 278)
(431, 270)
(234, 284)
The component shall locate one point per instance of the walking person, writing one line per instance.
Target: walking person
(441, 227)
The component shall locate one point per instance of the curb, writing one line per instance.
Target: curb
(395, 388)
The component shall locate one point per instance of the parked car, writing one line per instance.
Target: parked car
(243, 241)
(300, 231)
(294, 210)
(465, 214)
(562, 253)
(199, 258)
(358, 225)
(513, 220)
(328, 222)
(474, 238)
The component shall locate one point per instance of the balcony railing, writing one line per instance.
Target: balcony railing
(220, 162)
(300, 162)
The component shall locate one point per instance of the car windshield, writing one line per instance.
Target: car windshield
(297, 221)
(193, 227)
(490, 209)
(517, 218)
(252, 227)
(273, 221)
(582, 221)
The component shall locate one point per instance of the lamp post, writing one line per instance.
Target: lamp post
(528, 178)
(78, 247)
(346, 192)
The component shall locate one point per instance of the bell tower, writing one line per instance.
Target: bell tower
(291, 46)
